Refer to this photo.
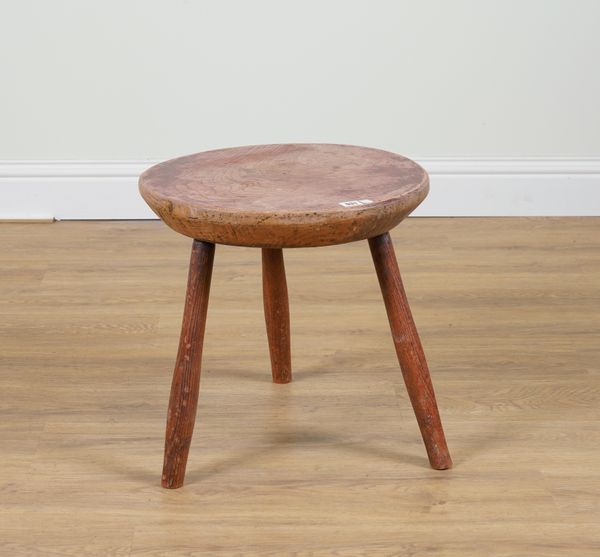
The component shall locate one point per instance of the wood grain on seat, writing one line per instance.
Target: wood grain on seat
(291, 195)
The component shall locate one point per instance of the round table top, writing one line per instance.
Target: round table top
(289, 195)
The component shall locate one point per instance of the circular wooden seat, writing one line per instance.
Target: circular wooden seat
(291, 195)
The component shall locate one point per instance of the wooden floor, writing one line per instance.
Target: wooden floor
(331, 464)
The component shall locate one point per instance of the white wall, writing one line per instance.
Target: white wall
(133, 80)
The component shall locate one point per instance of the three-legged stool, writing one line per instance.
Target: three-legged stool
(286, 196)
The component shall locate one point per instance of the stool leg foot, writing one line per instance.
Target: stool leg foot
(277, 314)
(410, 352)
(186, 377)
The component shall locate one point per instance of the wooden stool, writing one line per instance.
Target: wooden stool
(285, 196)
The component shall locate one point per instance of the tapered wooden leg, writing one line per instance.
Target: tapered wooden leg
(186, 377)
(410, 352)
(277, 314)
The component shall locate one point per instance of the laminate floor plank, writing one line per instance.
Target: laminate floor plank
(332, 463)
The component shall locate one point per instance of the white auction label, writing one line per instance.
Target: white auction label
(356, 202)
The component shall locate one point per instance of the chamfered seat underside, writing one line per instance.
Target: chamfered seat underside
(289, 195)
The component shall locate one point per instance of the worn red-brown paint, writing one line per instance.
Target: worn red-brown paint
(277, 314)
(183, 401)
(410, 352)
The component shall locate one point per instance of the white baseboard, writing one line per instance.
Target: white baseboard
(32, 190)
